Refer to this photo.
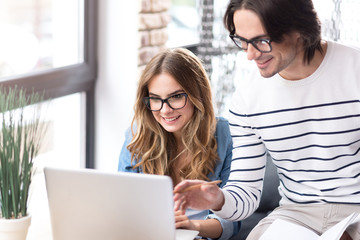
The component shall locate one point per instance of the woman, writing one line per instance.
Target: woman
(174, 132)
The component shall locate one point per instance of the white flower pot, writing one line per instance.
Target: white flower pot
(14, 229)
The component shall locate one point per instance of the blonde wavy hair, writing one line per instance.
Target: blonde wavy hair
(152, 148)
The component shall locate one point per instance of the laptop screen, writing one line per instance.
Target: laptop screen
(89, 204)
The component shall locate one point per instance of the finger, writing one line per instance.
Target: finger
(180, 186)
(179, 225)
(183, 206)
(178, 219)
(178, 213)
(181, 218)
(177, 196)
(177, 203)
(183, 211)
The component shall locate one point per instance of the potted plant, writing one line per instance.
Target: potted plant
(21, 132)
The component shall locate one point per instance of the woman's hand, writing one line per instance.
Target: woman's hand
(182, 221)
(209, 228)
(206, 196)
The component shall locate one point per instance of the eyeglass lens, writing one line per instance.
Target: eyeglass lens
(260, 44)
(175, 102)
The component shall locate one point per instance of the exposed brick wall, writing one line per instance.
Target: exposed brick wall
(153, 20)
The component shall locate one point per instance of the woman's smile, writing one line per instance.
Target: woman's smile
(171, 119)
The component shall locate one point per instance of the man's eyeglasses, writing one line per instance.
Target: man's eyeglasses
(175, 102)
(262, 45)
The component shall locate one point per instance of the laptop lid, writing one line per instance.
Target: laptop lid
(92, 205)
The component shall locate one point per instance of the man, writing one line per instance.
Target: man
(303, 108)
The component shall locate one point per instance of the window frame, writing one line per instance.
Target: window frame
(76, 78)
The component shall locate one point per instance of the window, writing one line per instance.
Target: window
(339, 20)
(184, 27)
(36, 35)
(50, 45)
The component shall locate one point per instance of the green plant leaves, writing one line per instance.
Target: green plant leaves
(21, 133)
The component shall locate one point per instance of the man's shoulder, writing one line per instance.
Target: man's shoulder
(344, 47)
(342, 54)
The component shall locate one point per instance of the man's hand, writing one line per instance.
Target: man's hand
(206, 196)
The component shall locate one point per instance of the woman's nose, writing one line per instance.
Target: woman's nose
(166, 108)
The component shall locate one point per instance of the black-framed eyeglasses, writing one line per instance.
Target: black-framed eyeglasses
(262, 45)
(175, 102)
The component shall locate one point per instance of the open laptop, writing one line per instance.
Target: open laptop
(92, 205)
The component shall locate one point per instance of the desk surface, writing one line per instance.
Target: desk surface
(40, 228)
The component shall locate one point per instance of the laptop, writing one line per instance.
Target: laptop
(93, 205)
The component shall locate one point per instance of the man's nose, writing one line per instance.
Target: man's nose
(252, 52)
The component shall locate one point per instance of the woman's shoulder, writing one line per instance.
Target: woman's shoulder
(221, 123)
(222, 129)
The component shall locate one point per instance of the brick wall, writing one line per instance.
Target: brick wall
(153, 20)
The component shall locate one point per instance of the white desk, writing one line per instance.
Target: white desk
(40, 228)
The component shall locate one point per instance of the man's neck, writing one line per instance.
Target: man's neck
(301, 70)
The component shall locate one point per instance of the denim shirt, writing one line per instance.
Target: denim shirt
(222, 169)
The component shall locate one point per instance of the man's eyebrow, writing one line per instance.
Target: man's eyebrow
(256, 37)
(261, 36)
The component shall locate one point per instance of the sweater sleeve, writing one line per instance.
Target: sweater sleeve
(222, 171)
(243, 189)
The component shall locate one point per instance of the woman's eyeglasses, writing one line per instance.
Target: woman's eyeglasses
(262, 45)
(175, 102)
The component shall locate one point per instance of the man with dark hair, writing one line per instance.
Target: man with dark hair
(303, 108)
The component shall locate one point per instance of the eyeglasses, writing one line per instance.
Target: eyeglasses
(175, 102)
(262, 45)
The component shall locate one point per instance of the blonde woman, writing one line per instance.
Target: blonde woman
(174, 132)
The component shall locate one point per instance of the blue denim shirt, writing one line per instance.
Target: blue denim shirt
(222, 169)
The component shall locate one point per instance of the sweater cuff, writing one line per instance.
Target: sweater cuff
(226, 212)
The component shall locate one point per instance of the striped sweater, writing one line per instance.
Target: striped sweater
(310, 128)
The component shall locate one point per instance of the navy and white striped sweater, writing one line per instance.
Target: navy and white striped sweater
(311, 129)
